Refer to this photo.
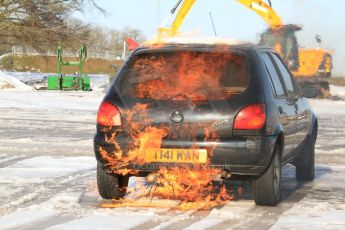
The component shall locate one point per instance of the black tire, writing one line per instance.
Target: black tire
(305, 163)
(111, 186)
(266, 189)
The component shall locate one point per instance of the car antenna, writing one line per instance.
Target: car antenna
(214, 28)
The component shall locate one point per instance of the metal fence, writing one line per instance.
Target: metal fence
(118, 55)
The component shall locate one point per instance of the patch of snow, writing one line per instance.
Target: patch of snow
(337, 91)
(20, 219)
(328, 106)
(228, 212)
(113, 220)
(5, 159)
(25, 198)
(64, 102)
(38, 212)
(331, 152)
(174, 220)
(99, 82)
(61, 202)
(311, 215)
(36, 169)
(9, 82)
(314, 212)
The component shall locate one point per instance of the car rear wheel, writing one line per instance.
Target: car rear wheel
(111, 186)
(305, 164)
(266, 189)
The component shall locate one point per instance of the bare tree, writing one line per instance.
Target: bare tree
(42, 24)
(102, 39)
(118, 36)
(99, 40)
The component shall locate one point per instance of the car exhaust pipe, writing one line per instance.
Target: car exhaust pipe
(154, 178)
(225, 175)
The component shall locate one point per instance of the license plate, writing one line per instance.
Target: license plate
(176, 155)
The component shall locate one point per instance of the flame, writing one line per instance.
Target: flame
(196, 78)
(179, 188)
(192, 187)
(143, 137)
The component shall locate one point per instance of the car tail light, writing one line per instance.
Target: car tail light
(251, 117)
(108, 115)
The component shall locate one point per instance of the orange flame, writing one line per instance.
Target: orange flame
(196, 77)
(143, 137)
(190, 189)
(188, 75)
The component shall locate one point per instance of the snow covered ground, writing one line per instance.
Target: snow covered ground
(9, 82)
(37, 80)
(337, 91)
(47, 174)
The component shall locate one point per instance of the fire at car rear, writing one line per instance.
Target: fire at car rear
(190, 108)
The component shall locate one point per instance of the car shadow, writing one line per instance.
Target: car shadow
(291, 189)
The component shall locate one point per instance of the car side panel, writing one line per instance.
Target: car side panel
(290, 107)
(287, 116)
(303, 119)
(281, 114)
(305, 124)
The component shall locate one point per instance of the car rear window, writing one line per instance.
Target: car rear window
(185, 75)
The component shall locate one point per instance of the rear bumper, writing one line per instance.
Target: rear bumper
(239, 156)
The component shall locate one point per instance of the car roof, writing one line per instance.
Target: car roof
(201, 47)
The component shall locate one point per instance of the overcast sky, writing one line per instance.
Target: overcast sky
(232, 20)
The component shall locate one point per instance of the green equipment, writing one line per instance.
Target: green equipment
(78, 81)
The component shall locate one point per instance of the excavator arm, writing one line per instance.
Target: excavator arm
(258, 6)
(179, 19)
(264, 10)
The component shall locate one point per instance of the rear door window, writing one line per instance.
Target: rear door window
(180, 75)
(285, 74)
(272, 71)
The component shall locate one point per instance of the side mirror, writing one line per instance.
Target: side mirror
(309, 92)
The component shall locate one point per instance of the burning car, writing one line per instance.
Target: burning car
(232, 110)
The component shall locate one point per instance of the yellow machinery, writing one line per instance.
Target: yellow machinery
(309, 66)
(258, 6)
(313, 61)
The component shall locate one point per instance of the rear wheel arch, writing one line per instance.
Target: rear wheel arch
(264, 188)
(315, 127)
(305, 163)
(280, 142)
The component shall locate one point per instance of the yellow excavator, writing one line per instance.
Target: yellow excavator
(310, 66)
